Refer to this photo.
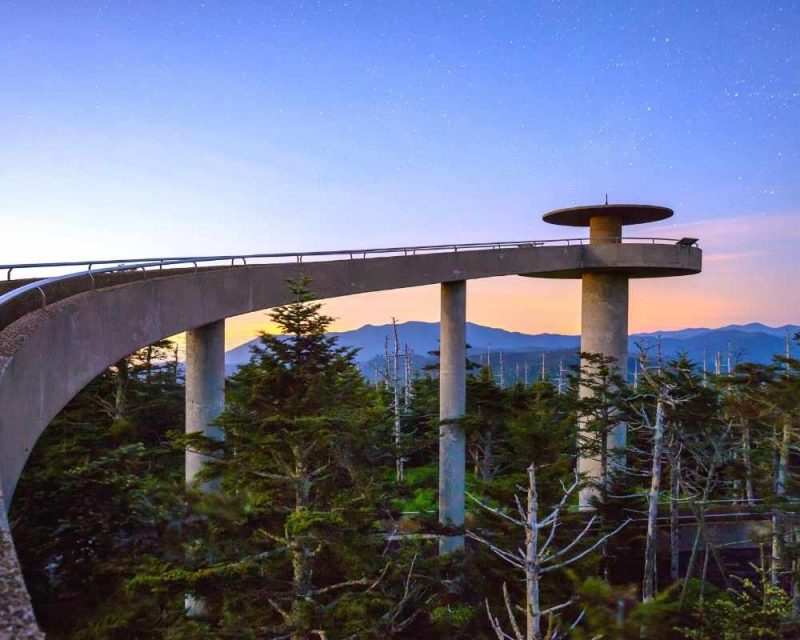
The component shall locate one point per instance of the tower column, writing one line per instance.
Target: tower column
(452, 406)
(604, 330)
(205, 387)
(604, 316)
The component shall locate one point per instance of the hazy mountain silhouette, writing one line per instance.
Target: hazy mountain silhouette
(422, 337)
(753, 342)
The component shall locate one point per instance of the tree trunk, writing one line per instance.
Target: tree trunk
(776, 558)
(533, 610)
(778, 524)
(674, 541)
(748, 463)
(648, 589)
(399, 462)
(486, 462)
(121, 395)
(298, 547)
(690, 565)
(407, 388)
(475, 453)
(700, 522)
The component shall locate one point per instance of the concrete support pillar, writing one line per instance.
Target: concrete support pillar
(205, 387)
(205, 401)
(604, 329)
(452, 405)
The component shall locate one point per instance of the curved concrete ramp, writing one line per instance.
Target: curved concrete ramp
(47, 355)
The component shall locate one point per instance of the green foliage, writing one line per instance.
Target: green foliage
(752, 611)
(292, 544)
(98, 492)
(307, 529)
(451, 617)
(609, 611)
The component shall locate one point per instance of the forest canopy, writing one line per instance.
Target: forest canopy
(315, 517)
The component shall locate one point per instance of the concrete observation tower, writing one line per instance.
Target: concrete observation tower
(604, 294)
(47, 324)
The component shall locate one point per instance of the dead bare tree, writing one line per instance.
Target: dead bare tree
(386, 362)
(747, 459)
(780, 480)
(783, 445)
(669, 387)
(538, 558)
(117, 410)
(408, 391)
(648, 587)
(664, 396)
(697, 482)
(674, 456)
(561, 376)
(397, 430)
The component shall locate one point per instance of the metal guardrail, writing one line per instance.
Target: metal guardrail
(145, 264)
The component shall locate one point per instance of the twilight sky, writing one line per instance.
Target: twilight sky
(189, 128)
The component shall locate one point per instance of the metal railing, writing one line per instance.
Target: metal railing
(245, 260)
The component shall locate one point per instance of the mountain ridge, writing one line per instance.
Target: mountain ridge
(754, 341)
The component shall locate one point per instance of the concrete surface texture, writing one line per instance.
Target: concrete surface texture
(604, 329)
(452, 406)
(205, 387)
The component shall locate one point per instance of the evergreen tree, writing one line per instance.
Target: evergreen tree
(294, 547)
(98, 492)
(485, 421)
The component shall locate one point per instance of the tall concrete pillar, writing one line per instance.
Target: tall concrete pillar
(604, 330)
(205, 401)
(205, 387)
(452, 405)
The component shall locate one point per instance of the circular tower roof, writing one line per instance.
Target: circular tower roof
(628, 213)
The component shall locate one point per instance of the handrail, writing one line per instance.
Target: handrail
(125, 265)
(38, 284)
(352, 253)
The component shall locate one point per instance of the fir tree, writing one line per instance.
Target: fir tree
(294, 546)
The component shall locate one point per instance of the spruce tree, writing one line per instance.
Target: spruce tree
(292, 545)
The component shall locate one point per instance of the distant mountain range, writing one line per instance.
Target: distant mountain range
(754, 342)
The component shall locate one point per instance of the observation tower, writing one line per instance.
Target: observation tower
(605, 291)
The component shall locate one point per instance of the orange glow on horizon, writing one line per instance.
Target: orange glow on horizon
(747, 254)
